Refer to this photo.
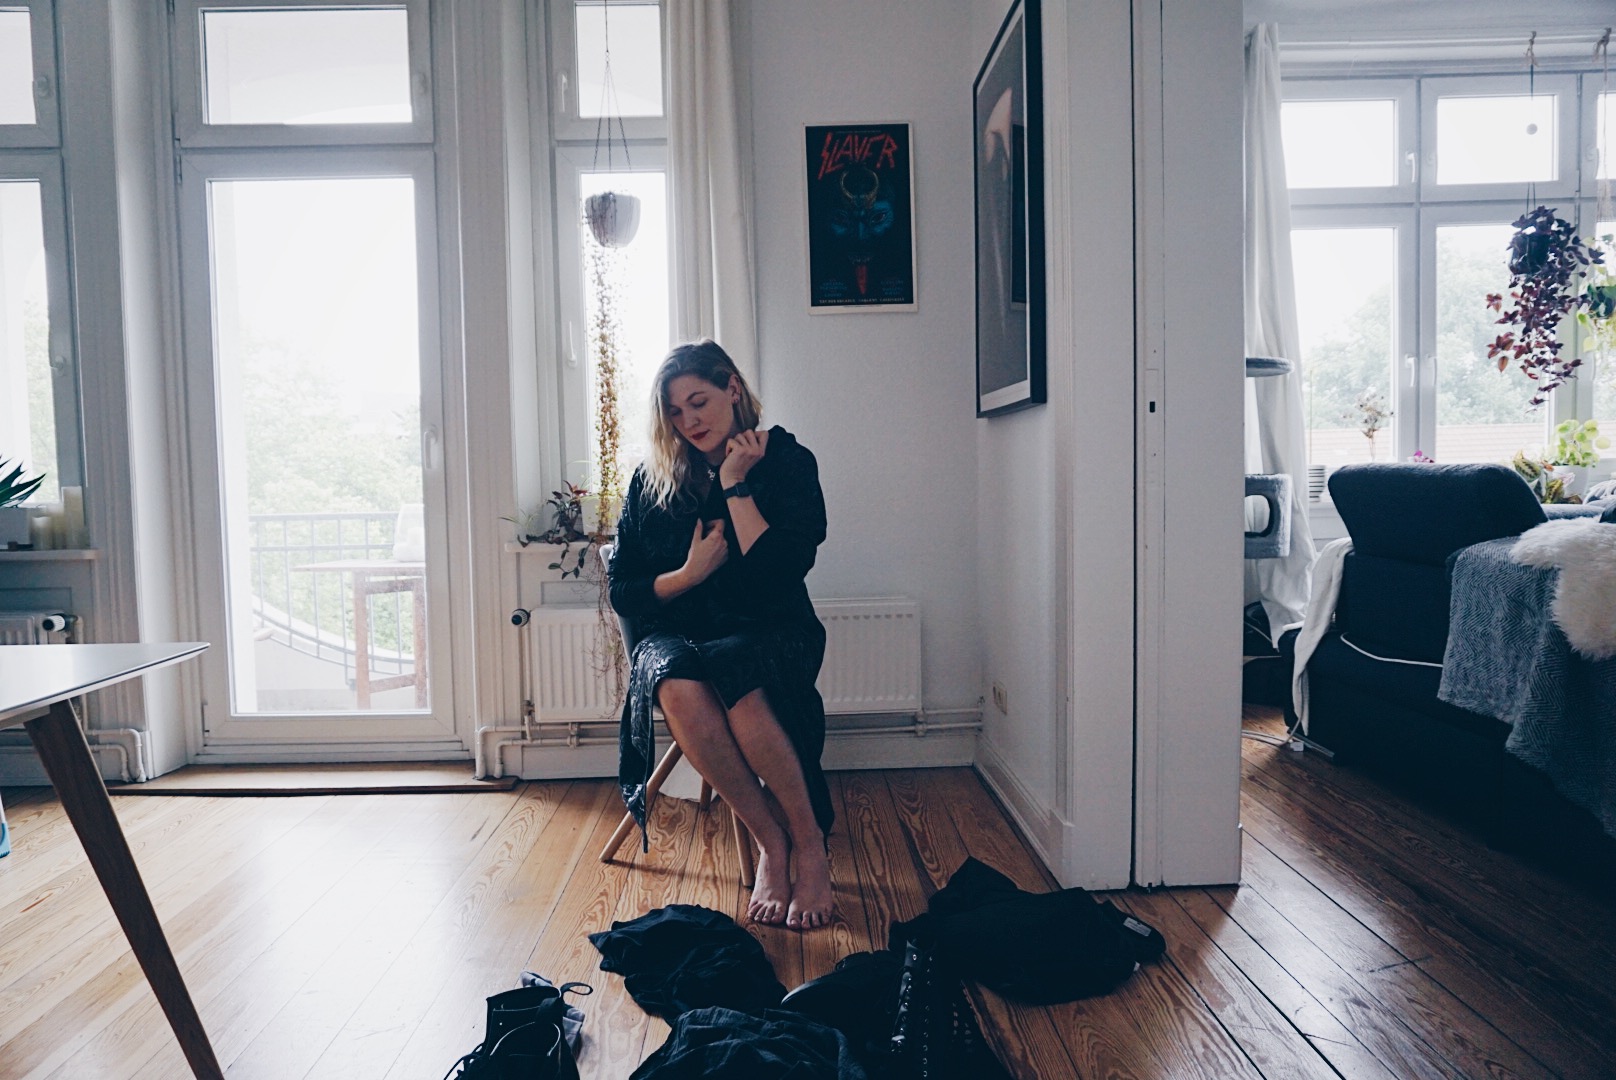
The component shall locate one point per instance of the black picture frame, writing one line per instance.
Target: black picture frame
(1008, 116)
(861, 231)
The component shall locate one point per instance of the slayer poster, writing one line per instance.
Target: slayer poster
(861, 233)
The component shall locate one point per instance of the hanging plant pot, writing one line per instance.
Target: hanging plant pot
(613, 217)
(1529, 252)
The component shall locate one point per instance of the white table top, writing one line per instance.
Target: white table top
(34, 677)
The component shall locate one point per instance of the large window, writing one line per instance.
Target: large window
(1403, 191)
(39, 393)
(594, 156)
(308, 249)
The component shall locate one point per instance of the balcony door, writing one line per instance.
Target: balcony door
(314, 378)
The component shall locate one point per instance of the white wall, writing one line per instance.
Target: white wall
(885, 400)
(1056, 483)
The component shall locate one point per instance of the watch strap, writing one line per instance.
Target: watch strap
(738, 491)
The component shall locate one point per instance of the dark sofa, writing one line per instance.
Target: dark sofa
(1406, 522)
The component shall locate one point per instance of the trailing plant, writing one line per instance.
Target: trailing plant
(14, 487)
(1577, 442)
(1548, 266)
(605, 330)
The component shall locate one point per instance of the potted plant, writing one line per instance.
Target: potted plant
(14, 491)
(1597, 317)
(565, 510)
(1371, 414)
(1575, 451)
(1549, 267)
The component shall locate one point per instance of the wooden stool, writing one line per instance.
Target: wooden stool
(743, 838)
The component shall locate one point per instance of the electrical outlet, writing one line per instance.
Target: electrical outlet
(1001, 698)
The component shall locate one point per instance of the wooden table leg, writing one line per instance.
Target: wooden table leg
(66, 757)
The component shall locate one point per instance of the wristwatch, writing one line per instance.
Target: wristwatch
(739, 491)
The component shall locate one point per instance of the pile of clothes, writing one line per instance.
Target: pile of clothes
(897, 1014)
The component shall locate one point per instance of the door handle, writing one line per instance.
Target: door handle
(431, 448)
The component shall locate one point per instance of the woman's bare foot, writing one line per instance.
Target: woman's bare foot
(811, 898)
(771, 891)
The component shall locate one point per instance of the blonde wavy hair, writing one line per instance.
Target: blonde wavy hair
(668, 472)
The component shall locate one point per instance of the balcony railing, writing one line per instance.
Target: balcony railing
(312, 612)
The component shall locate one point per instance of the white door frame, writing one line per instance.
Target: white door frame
(337, 736)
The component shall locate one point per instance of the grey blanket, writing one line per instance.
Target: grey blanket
(1506, 658)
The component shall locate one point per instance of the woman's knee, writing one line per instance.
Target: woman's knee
(752, 709)
(689, 700)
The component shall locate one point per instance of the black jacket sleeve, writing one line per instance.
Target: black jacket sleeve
(631, 576)
(794, 506)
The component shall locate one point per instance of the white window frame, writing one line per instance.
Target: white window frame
(1405, 369)
(1405, 113)
(568, 124)
(1419, 207)
(46, 129)
(190, 125)
(1568, 126)
(204, 153)
(225, 727)
(572, 139)
(45, 168)
(1431, 219)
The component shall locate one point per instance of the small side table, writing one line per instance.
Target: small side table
(377, 577)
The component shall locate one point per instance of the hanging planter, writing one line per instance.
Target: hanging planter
(613, 218)
(1549, 269)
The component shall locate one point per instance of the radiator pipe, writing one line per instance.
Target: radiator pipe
(574, 739)
(520, 618)
(126, 741)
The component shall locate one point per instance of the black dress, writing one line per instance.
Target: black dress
(749, 625)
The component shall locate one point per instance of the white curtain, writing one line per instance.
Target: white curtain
(1276, 425)
(709, 166)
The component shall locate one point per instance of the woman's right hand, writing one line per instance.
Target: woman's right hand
(708, 550)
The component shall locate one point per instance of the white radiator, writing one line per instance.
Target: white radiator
(32, 627)
(872, 660)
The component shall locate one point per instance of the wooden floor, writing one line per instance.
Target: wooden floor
(356, 936)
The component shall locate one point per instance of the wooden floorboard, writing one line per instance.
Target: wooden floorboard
(356, 938)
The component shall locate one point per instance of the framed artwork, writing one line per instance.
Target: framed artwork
(861, 231)
(1008, 113)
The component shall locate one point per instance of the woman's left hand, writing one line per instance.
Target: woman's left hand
(742, 452)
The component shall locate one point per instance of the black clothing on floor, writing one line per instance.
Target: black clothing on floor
(722, 1044)
(1035, 947)
(748, 626)
(684, 957)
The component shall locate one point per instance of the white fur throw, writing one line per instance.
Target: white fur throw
(1584, 551)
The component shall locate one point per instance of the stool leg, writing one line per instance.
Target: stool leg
(706, 794)
(743, 848)
(652, 786)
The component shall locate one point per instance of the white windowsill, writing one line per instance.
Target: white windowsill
(51, 555)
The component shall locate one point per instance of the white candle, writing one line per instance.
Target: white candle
(39, 532)
(55, 524)
(74, 534)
